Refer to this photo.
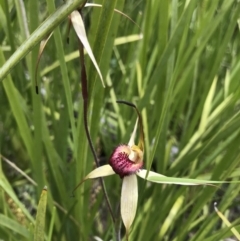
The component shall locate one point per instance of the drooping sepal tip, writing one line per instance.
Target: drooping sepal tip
(78, 25)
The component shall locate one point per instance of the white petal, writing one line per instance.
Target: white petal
(101, 171)
(131, 141)
(129, 199)
(78, 25)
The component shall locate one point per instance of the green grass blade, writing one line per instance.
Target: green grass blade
(39, 232)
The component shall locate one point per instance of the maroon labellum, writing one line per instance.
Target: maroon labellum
(126, 160)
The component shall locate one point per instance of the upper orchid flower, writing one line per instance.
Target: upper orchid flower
(127, 162)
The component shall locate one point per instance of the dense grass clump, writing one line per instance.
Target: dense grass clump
(178, 63)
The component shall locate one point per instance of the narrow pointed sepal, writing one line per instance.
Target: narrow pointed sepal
(79, 28)
(129, 199)
(158, 178)
(102, 171)
(133, 135)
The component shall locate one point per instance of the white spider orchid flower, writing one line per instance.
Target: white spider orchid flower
(127, 162)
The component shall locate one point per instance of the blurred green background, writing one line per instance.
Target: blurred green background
(181, 69)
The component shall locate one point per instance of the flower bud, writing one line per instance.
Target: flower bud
(126, 160)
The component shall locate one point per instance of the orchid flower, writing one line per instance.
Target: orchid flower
(127, 162)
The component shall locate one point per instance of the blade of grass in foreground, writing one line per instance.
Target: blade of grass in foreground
(16, 109)
(46, 27)
(39, 232)
(225, 220)
(14, 226)
(64, 72)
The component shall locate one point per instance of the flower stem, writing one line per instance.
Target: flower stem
(85, 111)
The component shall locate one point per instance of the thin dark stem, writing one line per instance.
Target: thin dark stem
(85, 112)
(118, 224)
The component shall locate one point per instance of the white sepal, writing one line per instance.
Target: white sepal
(132, 138)
(129, 199)
(102, 171)
(158, 178)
